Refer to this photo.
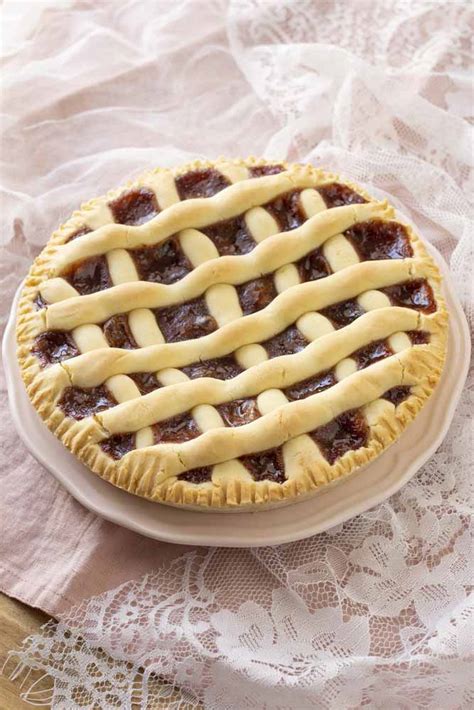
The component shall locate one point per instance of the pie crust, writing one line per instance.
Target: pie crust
(231, 335)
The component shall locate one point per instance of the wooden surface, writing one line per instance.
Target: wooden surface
(16, 622)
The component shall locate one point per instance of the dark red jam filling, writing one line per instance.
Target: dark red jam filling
(221, 368)
(176, 429)
(287, 211)
(366, 356)
(418, 337)
(78, 233)
(118, 445)
(266, 465)
(80, 403)
(118, 334)
(313, 266)
(145, 381)
(197, 475)
(260, 170)
(239, 411)
(377, 239)
(255, 295)
(412, 294)
(397, 395)
(337, 195)
(312, 385)
(343, 313)
(39, 302)
(200, 183)
(135, 206)
(54, 346)
(89, 276)
(163, 263)
(287, 342)
(230, 237)
(185, 321)
(347, 432)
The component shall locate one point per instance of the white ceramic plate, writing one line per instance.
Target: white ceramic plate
(335, 505)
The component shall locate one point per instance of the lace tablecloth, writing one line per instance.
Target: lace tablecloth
(375, 612)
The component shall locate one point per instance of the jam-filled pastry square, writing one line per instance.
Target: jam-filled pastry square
(231, 335)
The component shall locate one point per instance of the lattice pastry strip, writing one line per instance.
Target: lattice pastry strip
(276, 373)
(289, 307)
(347, 279)
(275, 251)
(294, 419)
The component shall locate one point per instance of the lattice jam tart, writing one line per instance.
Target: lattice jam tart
(231, 335)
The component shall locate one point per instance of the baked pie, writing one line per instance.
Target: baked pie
(231, 335)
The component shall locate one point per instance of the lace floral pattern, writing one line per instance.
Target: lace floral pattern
(376, 612)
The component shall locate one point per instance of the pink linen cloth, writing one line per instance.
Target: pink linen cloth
(97, 92)
(53, 552)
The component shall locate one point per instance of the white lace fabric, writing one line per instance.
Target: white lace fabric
(376, 612)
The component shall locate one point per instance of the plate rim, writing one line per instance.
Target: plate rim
(177, 536)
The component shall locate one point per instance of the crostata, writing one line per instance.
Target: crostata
(231, 335)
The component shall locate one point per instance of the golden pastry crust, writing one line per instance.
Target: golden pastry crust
(152, 470)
